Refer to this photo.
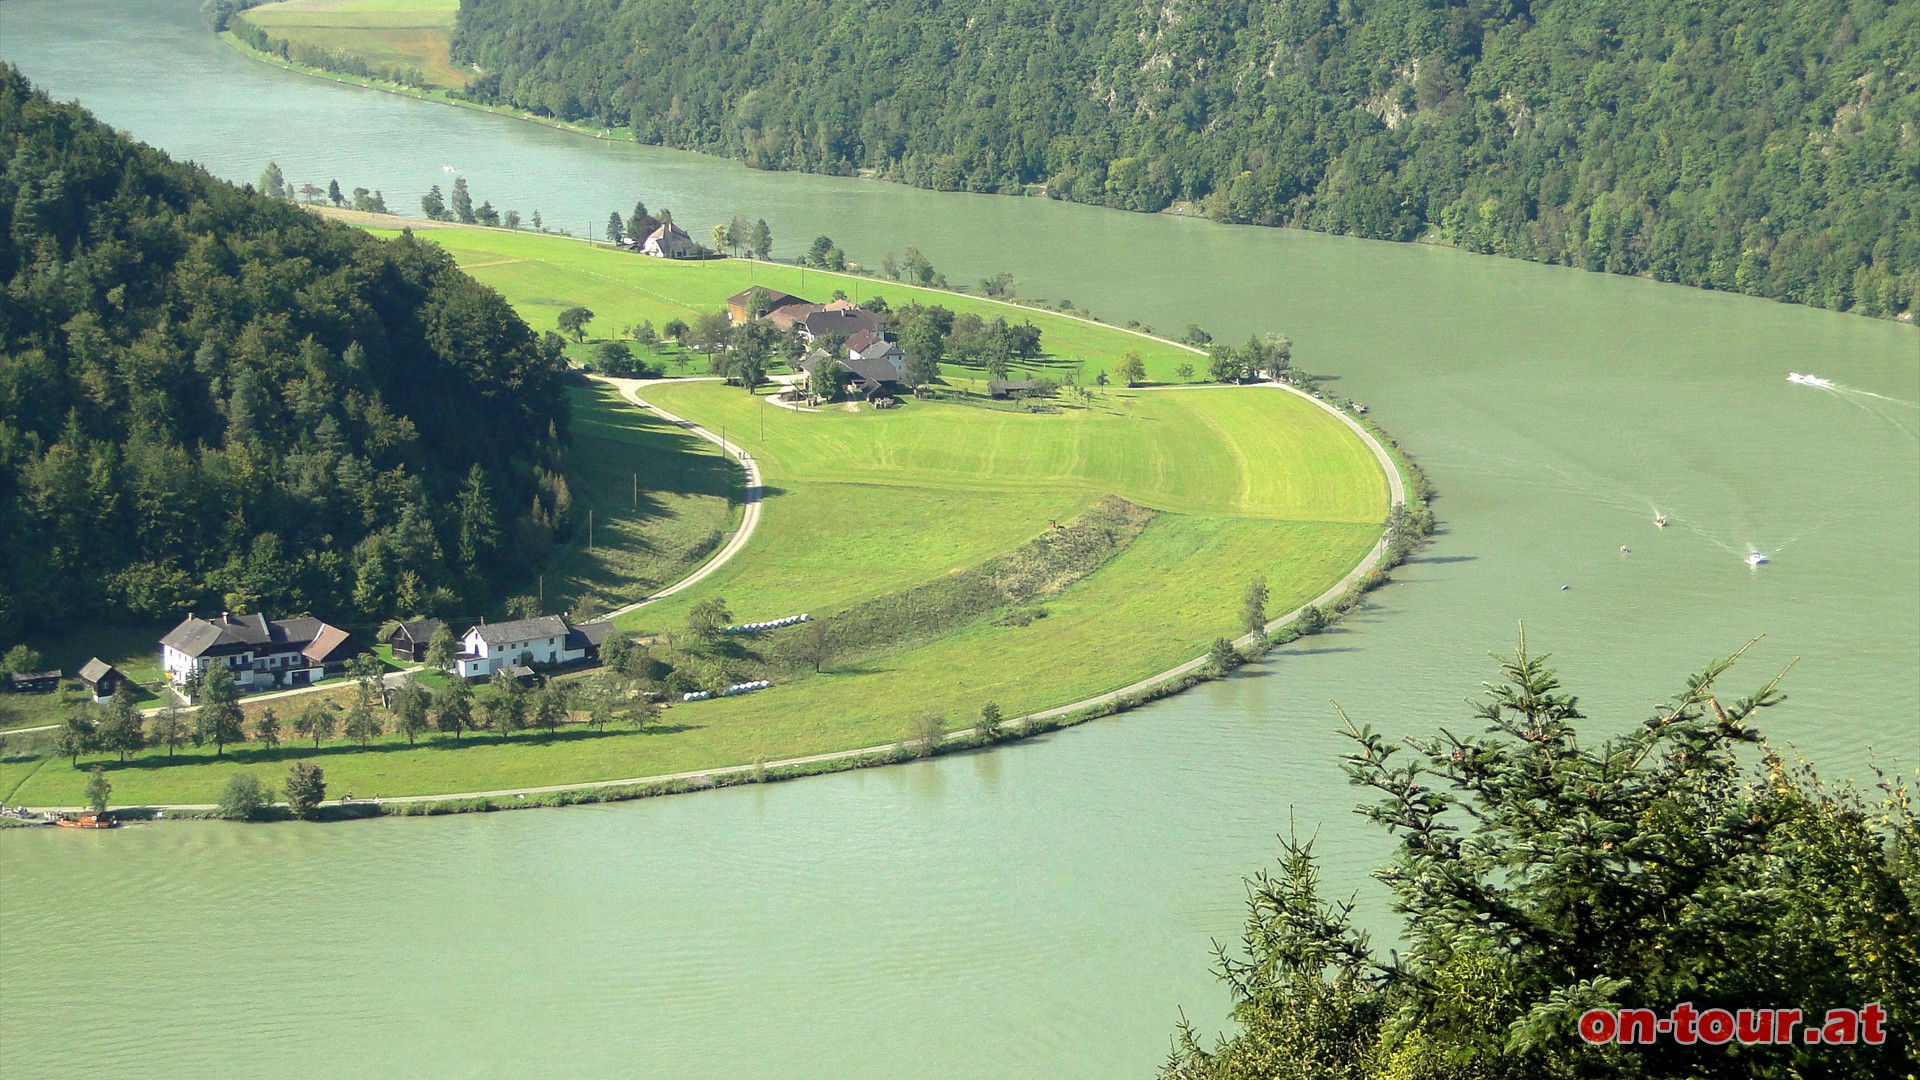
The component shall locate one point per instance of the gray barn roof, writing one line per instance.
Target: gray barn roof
(522, 629)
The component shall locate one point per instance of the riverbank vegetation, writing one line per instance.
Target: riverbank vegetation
(1759, 147)
(214, 399)
(950, 556)
(1541, 875)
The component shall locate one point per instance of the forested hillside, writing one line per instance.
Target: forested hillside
(1766, 146)
(210, 397)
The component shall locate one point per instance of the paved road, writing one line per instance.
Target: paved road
(750, 515)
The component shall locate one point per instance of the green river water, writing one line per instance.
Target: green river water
(1044, 910)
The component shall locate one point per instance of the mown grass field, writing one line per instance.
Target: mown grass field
(862, 504)
(660, 498)
(384, 33)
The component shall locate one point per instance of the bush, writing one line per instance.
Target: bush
(306, 788)
(1223, 657)
(243, 798)
(1312, 619)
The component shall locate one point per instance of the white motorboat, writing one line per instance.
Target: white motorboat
(1660, 520)
(1808, 380)
(1755, 558)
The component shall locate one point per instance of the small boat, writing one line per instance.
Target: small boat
(1755, 558)
(1625, 550)
(1809, 380)
(102, 820)
(1660, 521)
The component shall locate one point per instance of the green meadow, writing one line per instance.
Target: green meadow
(866, 507)
(385, 34)
(543, 275)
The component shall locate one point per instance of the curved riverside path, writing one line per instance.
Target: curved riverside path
(750, 514)
(1396, 497)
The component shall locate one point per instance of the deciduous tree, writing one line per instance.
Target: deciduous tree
(21, 660)
(574, 321)
(410, 711)
(441, 649)
(709, 617)
(813, 645)
(929, 734)
(266, 728)
(123, 731)
(363, 724)
(99, 789)
(168, 730)
(316, 721)
(455, 712)
(218, 720)
(243, 797)
(1253, 606)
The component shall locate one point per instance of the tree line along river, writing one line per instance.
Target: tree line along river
(1045, 909)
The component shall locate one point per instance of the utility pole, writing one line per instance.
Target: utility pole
(543, 594)
(589, 529)
(636, 492)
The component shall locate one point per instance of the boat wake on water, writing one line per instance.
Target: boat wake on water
(1865, 399)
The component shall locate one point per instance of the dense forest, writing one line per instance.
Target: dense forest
(1766, 146)
(211, 397)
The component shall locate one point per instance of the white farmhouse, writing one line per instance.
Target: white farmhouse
(260, 652)
(491, 646)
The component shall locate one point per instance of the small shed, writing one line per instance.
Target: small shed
(34, 682)
(519, 673)
(1009, 388)
(410, 639)
(101, 678)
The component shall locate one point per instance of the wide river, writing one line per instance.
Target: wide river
(1044, 910)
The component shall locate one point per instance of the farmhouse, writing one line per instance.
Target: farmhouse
(758, 301)
(872, 379)
(101, 678)
(787, 318)
(669, 241)
(260, 652)
(34, 682)
(1009, 388)
(410, 639)
(870, 345)
(549, 639)
(842, 318)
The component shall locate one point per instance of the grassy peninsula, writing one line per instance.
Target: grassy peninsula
(960, 554)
